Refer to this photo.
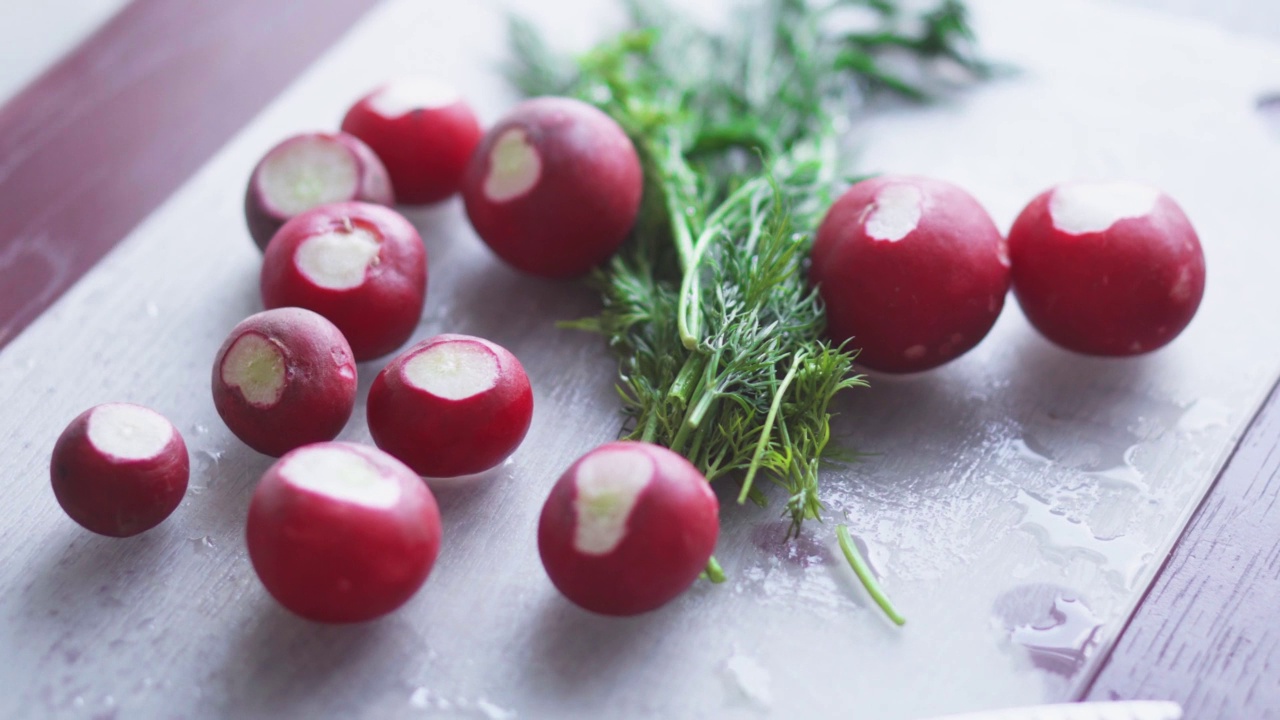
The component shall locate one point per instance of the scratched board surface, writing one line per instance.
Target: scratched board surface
(1015, 503)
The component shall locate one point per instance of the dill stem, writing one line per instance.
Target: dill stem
(864, 574)
(703, 398)
(768, 427)
(714, 572)
(689, 309)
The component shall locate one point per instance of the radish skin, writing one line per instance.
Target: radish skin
(424, 133)
(912, 271)
(451, 405)
(309, 170)
(627, 528)
(284, 378)
(119, 469)
(361, 266)
(554, 187)
(342, 533)
(1112, 269)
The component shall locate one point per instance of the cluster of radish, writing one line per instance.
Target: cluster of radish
(340, 532)
(914, 272)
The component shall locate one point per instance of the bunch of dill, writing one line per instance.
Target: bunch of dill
(717, 332)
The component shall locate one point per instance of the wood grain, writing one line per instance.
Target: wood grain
(93, 145)
(1206, 634)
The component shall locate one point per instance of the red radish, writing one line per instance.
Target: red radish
(1106, 268)
(284, 378)
(362, 266)
(628, 527)
(119, 469)
(554, 188)
(340, 532)
(309, 170)
(451, 405)
(422, 130)
(912, 270)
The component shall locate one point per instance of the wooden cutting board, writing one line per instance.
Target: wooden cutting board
(1016, 503)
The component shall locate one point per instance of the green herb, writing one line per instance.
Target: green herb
(707, 307)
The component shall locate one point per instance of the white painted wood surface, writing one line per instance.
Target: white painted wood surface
(34, 34)
(1018, 498)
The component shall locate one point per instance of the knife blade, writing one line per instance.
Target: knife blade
(1126, 710)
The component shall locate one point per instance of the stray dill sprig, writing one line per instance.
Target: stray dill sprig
(707, 307)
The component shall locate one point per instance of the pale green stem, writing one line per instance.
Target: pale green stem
(763, 443)
(864, 574)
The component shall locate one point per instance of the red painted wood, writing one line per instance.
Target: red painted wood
(1208, 632)
(94, 144)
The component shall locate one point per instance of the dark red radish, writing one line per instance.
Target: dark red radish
(309, 170)
(451, 405)
(362, 266)
(424, 133)
(554, 188)
(627, 528)
(1106, 268)
(284, 378)
(119, 469)
(341, 533)
(912, 271)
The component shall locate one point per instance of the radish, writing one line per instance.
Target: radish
(912, 270)
(451, 405)
(309, 170)
(340, 533)
(284, 378)
(423, 132)
(361, 266)
(553, 188)
(1106, 268)
(628, 527)
(119, 469)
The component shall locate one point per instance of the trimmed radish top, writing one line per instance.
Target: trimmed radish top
(340, 474)
(895, 213)
(255, 366)
(405, 95)
(1083, 208)
(308, 172)
(453, 370)
(129, 432)
(608, 483)
(338, 260)
(514, 167)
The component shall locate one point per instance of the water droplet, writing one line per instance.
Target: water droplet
(1057, 628)
(78, 701)
(207, 470)
(203, 544)
(153, 310)
(1063, 537)
(201, 429)
(748, 680)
